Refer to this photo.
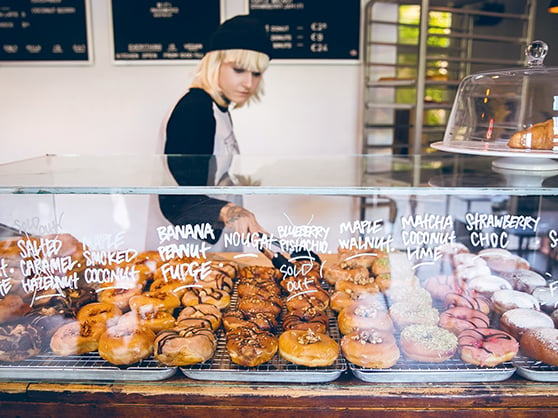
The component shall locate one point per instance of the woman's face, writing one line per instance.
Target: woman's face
(238, 84)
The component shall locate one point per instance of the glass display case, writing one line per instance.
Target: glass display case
(75, 228)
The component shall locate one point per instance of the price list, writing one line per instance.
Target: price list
(311, 29)
(148, 30)
(44, 30)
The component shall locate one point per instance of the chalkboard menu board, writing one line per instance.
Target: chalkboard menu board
(149, 30)
(44, 30)
(311, 29)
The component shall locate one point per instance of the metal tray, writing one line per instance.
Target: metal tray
(88, 366)
(452, 370)
(535, 370)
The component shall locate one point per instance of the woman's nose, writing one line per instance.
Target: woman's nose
(248, 79)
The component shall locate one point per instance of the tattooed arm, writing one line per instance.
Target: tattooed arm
(239, 219)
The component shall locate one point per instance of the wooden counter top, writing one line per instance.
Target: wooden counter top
(180, 396)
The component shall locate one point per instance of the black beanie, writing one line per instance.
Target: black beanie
(241, 32)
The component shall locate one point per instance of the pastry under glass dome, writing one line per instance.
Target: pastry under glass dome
(501, 112)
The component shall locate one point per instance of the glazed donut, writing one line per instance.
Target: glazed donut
(361, 317)
(178, 287)
(505, 300)
(126, 344)
(459, 319)
(119, 297)
(258, 287)
(255, 303)
(19, 342)
(547, 297)
(150, 259)
(184, 346)
(77, 337)
(316, 298)
(362, 257)
(12, 307)
(367, 285)
(404, 314)
(516, 321)
(502, 261)
(204, 311)
(235, 318)
(156, 321)
(428, 343)
(229, 267)
(340, 300)
(104, 313)
(486, 347)
(155, 301)
(372, 349)
(311, 318)
(441, 285)
(487, 285)
(250, 347)
(307, 348)
(525, 280)
(478, 303)
(541, 344)
(216, 280)
(335, 272)
(212, 296)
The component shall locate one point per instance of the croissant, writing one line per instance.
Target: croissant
(539, 136)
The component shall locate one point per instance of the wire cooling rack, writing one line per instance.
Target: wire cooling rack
(535, 370)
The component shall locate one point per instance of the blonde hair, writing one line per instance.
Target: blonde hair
(207, 74)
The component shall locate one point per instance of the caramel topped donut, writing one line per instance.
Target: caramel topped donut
(123, 344)
(155, 321)
(178, 287)
(339, 300)
(204, 311)
(486, 347)
(260, 287)
(428, 343)
(155, 301)
(104, 313)
(212, 296)
(372, 349)
(251, 347)
(260, 271)
(119, 297)
(19, 342)
(184, 346)
(255, 303)
(236, 318)
(335, 272)
(311, 318)
(307, 348)
(367, 285)
(316, 298)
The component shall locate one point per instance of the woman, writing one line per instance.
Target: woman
(229, 76)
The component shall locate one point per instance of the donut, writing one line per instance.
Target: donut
(184, 346)
(259, 271)
(468, 259)
(486, 347)
(458, 319)
(19, 342)
(155, 301)
(235, 318)
(487, 285)
(505, 300)
(255, 303)
(427, 343)
(384, 281)
(410, 296)
(307, 348)
(216, 279)
(335, 272)
(339, 300)
(381, 265)
(251, 347)
(451, 249)
(12, 307)
(123, 344)
(150, 259)
(178, 287)
(371, 349)
(47, 320)
(316, 298)
(352, 257)
(362, 316)
(78, 298)
(404, 314)
(547, 297)
(525, 280)
(105, 313)
(479, 303)
(467, 272)
(212, 296)
(367, 285)
(500, 260)
(229, 267)
(258, 287)
(541, 344)
(516, 321)
(156, 321)
(119, 297)
(203, 311)
(77, 337)
(439, 286)
(311, 318)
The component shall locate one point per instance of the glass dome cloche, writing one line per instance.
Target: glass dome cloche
(511, 112)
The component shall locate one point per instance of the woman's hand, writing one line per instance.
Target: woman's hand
(239, 219)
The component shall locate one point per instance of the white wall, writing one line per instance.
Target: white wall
(108, 108)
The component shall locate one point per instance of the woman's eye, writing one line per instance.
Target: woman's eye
(239, 70)
(257, 74)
